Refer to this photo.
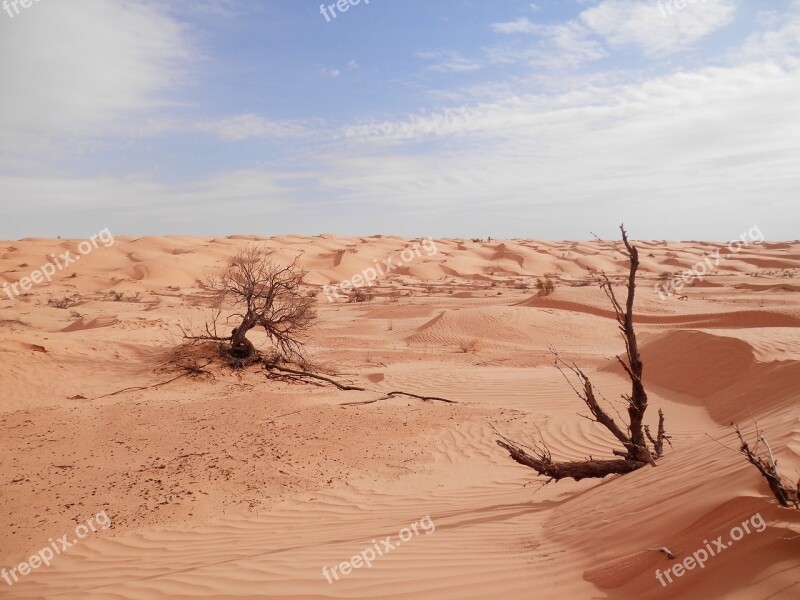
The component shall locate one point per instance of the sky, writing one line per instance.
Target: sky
(552, 120)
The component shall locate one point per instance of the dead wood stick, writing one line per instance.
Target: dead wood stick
(341, 386)
(665, 550)
(350, 387)
(189, 371)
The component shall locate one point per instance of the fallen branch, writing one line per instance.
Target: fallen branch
(297, 374)
(399, 393)
(423, 398)
(768, 467)
(341, 386)
(362, 402)
(665, 550)
(577, 470)
(191, 371)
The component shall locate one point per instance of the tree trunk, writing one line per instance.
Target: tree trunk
(241, 347)
(577, 470)
(636, 454)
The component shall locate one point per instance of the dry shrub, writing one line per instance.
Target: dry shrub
(359, 295)
(65, 302)
(545, 286)
(259, 294)
(472, 345)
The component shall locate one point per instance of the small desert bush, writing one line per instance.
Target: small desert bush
(472, 345)
(545, 286)
(359, 295)
(120, 297)
(65, 302)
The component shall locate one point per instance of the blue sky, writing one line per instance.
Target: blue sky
(456, 118)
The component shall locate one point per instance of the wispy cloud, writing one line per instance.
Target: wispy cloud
(84, 69)
(669, 137)
(244, 192)
(450, 62)
(521, 25)
(230, 128)
(644, 26)
(248, 126)
(779, 40)
(620, 23)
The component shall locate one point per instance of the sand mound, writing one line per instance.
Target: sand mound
(579, 300)
(720, 373)
(491, 327)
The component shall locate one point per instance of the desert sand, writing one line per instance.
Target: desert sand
(231, 485)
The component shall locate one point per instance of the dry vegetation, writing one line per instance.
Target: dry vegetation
(260, 294)
(634, 439)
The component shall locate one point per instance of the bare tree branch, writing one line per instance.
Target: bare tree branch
(768, 467)
(636, 452)
(260, 294)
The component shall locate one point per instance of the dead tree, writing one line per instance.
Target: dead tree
(784, 493)
(634, 437)
(260, 294)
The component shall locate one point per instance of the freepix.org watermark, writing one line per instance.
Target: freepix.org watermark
(386, 545)
(666, 6)
(713, 548)
(15, 4)
(47, 270)
(382, 268)
(708, 264)
(342, 6)
(56, 547)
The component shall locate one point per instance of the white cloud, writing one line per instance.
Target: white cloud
(231, 128)
(247, 126)
(84, 68)
(142, 199)
(619, 23)
(555, 46)
(696, 145)
(646, 26)
(521, 25)
(450, 62)
(779, 39)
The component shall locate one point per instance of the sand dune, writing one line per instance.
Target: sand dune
(235, 486)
